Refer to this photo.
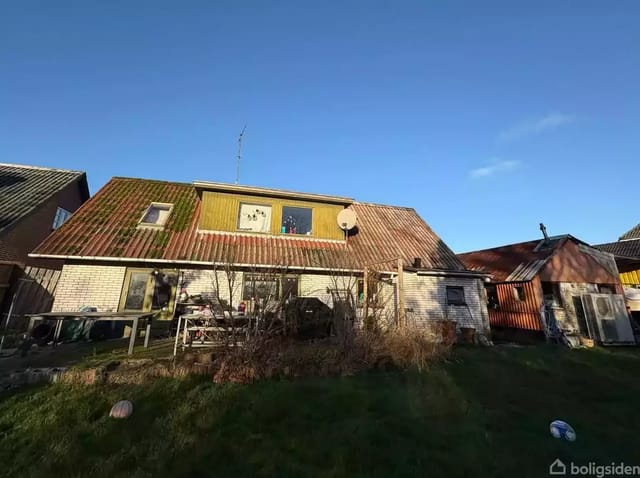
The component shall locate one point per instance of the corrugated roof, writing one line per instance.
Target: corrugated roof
(24, 188)
(7, 253)
(513, 262)
(633, 233)
(626, 248)
(105, 226)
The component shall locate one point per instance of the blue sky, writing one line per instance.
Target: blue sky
(485, 117)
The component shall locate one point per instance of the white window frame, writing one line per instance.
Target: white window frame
(60, 212)
(152, 225)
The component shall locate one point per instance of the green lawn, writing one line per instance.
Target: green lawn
(485, 412)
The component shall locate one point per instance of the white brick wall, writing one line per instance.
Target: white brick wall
(90, 285)
(204, 282)
(426, 297)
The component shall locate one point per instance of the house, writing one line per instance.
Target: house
(627, 254)
(33, 202)
(139, 244)
(557, 285)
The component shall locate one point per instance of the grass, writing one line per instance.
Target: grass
(485, 412)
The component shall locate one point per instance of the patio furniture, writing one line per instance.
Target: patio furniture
(199, 330)
(134, 317)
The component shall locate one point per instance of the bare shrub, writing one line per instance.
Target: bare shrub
(413, 346)
(278, 357)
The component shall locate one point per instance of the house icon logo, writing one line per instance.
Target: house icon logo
(557, 468)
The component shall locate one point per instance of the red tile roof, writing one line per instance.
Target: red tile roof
(106, 227)
(514, 262)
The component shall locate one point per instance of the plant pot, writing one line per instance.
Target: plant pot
(468, 335)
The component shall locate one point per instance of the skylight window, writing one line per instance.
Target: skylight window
(156, 215)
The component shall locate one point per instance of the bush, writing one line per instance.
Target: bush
(274, 357)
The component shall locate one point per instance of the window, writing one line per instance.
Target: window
(518, 293)
(149, 289)
(606, 289)
(136, 291)
(254, 218)
(61, 216)
(156, 214)
(163, 288)
(492, 297)
(455, 295)
(296, 220)
(259, 287)
(551, 291)
(289, 287)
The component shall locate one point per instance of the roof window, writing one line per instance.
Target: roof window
(156, 215)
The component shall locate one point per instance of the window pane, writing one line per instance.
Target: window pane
(455, 295)
(61, 216)
(259, 288)
(162, 290)
(492, 297)
(254, 218)
(157, 214)
(137, 290)
(289, 287)
(296, 220)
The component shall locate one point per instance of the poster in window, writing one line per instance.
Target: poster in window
(254, 218)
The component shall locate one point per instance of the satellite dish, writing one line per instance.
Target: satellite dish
(347, 219)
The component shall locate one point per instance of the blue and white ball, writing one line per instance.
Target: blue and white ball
(563, 430)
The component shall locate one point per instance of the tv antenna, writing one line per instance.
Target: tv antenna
(239, 153)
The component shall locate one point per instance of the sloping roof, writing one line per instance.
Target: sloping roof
(7, 253)
(627, 248)
(514, 262)
(105, 227)
(633, 233)
(24, 188)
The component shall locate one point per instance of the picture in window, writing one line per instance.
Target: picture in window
(296, 220)
(254, 218)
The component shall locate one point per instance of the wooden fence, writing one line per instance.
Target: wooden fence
(31, 290)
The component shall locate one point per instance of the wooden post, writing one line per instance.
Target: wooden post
(400, 293)
(365, 296)
(134, 333)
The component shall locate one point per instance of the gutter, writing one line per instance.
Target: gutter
(184, 262)
(248, 266)
(477, 275)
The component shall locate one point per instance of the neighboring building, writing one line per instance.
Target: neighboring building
(627, 254)
(137, 242)
(551, 285)
(33, 202)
